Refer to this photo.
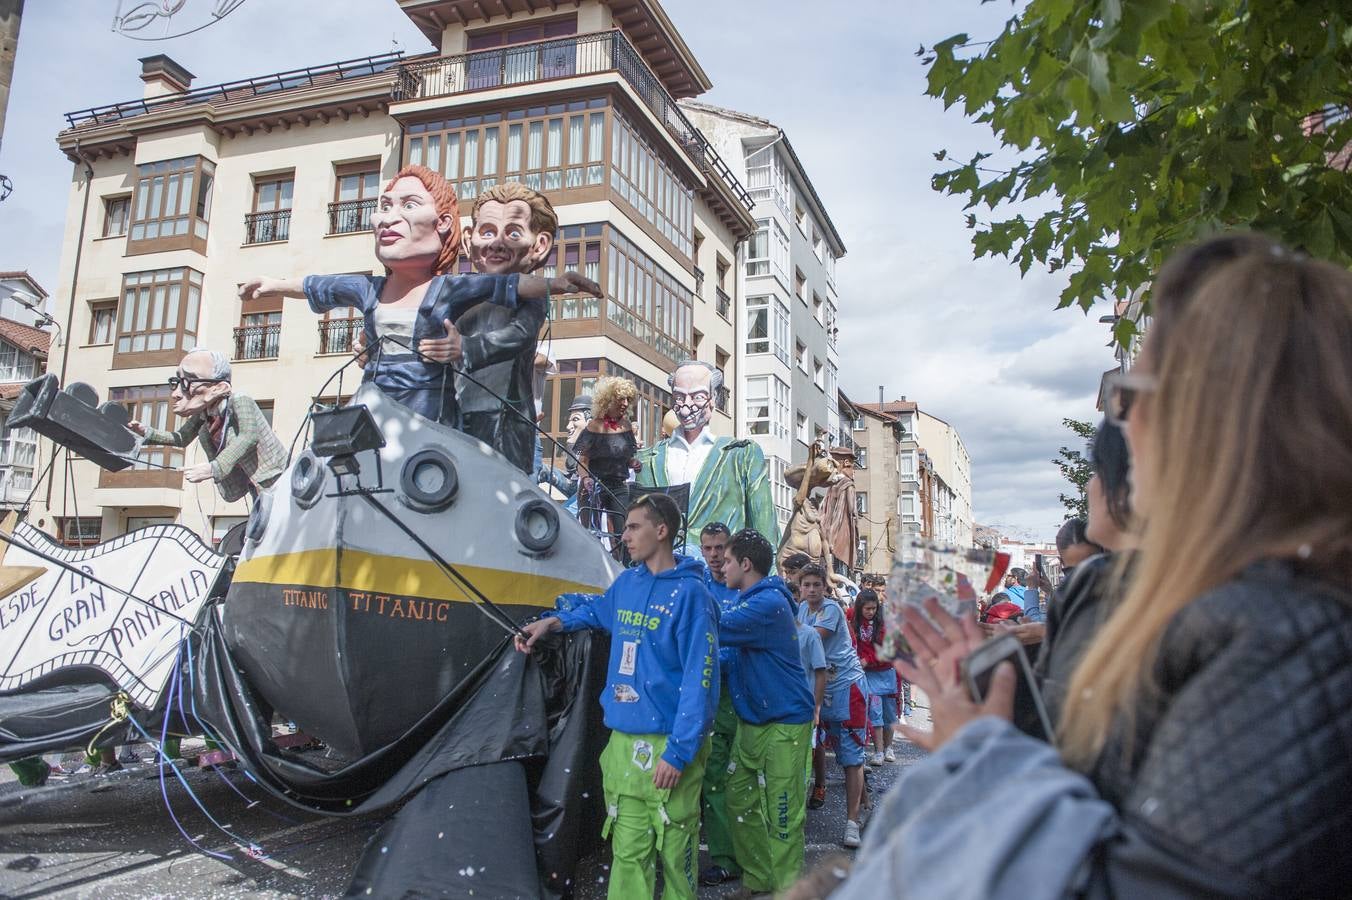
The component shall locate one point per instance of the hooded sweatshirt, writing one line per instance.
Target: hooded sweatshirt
(725, 598)
(662, 676)
(767, 680)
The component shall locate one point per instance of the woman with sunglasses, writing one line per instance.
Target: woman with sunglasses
(1206, 743)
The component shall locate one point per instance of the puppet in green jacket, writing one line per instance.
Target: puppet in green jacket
(728, 479)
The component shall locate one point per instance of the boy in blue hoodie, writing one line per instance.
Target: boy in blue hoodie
(766, 793)
(659, 701)
(713, 542)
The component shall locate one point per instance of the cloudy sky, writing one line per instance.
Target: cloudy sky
(970, 341)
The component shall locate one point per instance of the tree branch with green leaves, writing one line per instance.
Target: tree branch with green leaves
(1149, 124)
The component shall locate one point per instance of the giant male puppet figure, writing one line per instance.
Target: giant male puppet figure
(243, 453)
(728, 479)
(511, 231)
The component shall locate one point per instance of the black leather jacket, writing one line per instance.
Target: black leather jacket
(1242, 761)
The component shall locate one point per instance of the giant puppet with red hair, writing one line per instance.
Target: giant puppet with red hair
(409, 313)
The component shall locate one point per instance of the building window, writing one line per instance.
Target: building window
(338, 329)
(172, 205)
(767, 407)
(221, 525)
(861, 503)
(783, 494)
(150, 405)
(817, 308)
(861, 457)
(829, 323)
(800, 427)
(832, 378)
(818, 374)
(16, 365)
(102, 321)
(271, 217)
(767, 177)
(548, 148)
(907, 458)
(767, 321)
(266, 407)
(18, 456)
(861, 553)
(258, 335)
(768, 251)
(800, 285)
(724, 399)
(521, 34)
(356, 188)
(908, 427)
(518, 64)
(116, 212)
(579, 246)
(859, 424)
(158, 317)
(646, 300)
(85, 531)
(639, 174)
(906, 505)
(800, 355)
(800, 217)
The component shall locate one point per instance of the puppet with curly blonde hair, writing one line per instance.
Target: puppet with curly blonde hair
(413, 346)
(605, 450)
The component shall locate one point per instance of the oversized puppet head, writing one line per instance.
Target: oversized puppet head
(579, 414)
(693, 387)
(417, 222)
(513, 230)
(202, 381)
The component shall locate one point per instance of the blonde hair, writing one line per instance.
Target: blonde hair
(543, 219)
(1246, 456)
(608, 393)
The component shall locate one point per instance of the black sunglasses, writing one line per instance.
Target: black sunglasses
(186, 382)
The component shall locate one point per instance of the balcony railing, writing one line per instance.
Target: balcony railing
(699, 281)
(265, 227)
(724, 304)
(351, 216)
(583, 54)
(257, 341)
(336, 335)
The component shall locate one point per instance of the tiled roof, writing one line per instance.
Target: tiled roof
(25, 337)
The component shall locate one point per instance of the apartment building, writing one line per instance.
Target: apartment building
(787, 358)
(24, 348)
(180, 193)
(948, 515)
(877, 437)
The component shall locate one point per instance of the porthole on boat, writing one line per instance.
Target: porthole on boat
(307, 480)
(429, 482)
(537, 524)
(258, 517)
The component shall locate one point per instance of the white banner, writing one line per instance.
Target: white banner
(65, 619)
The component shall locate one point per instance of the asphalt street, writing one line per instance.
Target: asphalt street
(112, 837)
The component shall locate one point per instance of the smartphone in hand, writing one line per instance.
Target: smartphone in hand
(979, 666)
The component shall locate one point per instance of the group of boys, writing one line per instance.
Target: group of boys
(719, 672)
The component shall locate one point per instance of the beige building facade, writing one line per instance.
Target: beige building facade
(951, 499)
(178, 196)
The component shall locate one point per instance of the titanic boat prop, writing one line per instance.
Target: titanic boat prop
(372, 604)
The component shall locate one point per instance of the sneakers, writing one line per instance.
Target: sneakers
(889, 756)
(818, 798)
(851, 840)
(876, 759)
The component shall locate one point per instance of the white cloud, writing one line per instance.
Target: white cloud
(969, 340)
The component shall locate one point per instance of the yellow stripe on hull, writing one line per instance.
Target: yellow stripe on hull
(403, 577)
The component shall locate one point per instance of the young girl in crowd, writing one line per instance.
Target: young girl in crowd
(866, 628)
(1206, 743)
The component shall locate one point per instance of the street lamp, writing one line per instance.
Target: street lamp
(34, 305)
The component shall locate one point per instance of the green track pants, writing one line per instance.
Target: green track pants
(716, 831)
(767, 802)
(643, 822)
(32, 770)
